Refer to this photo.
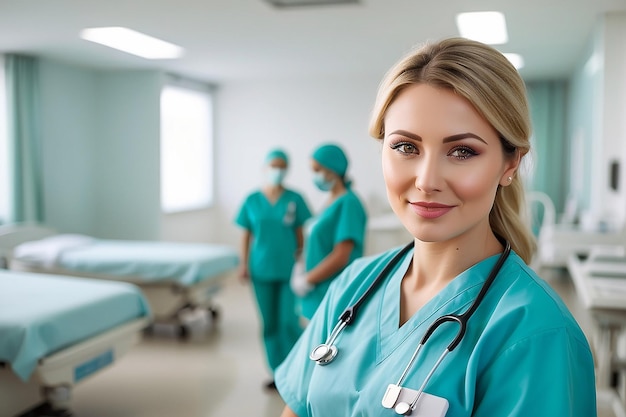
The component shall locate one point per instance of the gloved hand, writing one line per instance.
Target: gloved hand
(298, 282)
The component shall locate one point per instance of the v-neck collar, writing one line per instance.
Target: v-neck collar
(454, 298)
(274, 203)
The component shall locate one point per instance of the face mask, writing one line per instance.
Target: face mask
(322, 183)
(275, 176)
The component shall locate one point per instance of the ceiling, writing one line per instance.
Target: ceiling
(231, 40)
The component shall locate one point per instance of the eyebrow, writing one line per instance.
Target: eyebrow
(447, 139)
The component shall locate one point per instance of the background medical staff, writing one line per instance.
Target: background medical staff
(454, 125)
(336, 236)
(272, 220)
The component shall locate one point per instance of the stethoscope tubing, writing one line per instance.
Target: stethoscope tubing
(349, 314)
(326, 352)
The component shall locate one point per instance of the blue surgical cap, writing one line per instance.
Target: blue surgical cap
(276, 154)
(333, 158)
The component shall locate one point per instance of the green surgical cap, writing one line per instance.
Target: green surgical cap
(333, 158)
(276, 154)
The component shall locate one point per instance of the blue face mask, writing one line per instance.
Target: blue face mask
(275, 176)
(322, 183)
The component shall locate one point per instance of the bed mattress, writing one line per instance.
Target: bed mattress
(41, 314)
(147, 261)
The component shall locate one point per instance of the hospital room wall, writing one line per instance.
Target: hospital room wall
(127, 162)
(101, 150)
(298, 115)
(68, 118)
(101, 144)
(597, 126)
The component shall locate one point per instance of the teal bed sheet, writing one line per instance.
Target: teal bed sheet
(41, 314)
(151, 261)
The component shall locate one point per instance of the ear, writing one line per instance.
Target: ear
(510, 171)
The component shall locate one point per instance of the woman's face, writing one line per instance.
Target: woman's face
(442, 163)
(323, 178)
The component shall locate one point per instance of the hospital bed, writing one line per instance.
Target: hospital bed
(179, 280)
(557, 241)
(55, 332)
(599, 277)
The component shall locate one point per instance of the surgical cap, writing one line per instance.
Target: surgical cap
(333, 158)
(276, 154)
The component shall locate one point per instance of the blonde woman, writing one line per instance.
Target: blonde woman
(456, 323)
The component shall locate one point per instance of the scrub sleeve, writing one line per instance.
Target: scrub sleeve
(345, 219)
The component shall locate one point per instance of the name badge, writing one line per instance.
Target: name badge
(401, 399)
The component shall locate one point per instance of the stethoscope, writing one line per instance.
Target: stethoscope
(326, 352)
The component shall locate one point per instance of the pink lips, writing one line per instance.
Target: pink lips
(430, 210)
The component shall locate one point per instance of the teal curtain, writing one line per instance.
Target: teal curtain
(547, 101)
(22, 78)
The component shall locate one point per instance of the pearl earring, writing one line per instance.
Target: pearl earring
(510, 179)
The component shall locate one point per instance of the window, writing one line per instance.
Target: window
(186, 149)
(5, 162)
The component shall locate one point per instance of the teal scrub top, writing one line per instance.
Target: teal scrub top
(273, 228)
(344, 219)
(523, 353)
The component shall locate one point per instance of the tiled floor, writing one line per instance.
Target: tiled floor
(218, 375)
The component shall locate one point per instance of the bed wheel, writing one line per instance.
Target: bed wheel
(46, 410)
(215, 313)
(149, 330)
(183, 332)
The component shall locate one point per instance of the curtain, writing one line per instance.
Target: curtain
(24, 137)
(547, 101)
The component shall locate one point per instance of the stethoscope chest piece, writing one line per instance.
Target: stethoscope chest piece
(404, 409)
(323, 353)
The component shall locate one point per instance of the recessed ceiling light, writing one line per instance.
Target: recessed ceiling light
(486, 27)
(515, 59)
(132, 42)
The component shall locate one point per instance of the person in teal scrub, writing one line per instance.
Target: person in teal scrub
(272, 219)
(336, 235)
(452, 118)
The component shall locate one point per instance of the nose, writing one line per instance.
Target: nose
(428, 174)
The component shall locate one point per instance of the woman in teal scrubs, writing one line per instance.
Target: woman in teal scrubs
(336, 236)
(272, 220)
(453, 120)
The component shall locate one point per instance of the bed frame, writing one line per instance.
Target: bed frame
(600, 282)
(48, 390)
(170, 302)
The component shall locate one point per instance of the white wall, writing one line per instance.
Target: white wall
(297, 115)
(597, 124)
(614, 114)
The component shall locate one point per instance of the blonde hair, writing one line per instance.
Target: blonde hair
(487, 79)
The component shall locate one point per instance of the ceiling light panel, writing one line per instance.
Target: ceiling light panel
(132, 42)
(486, 27)
(516, 60)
